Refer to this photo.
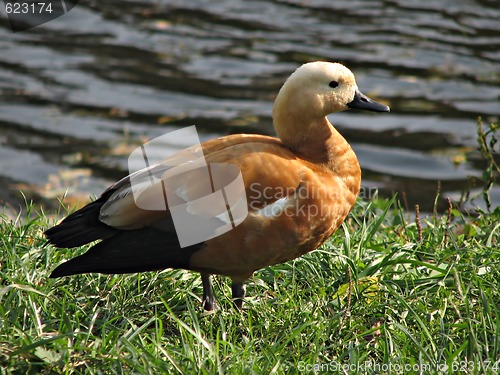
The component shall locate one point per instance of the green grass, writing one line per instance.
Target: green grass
(373, 299)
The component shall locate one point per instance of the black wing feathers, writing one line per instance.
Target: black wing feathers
(120, 251)
(140, 250)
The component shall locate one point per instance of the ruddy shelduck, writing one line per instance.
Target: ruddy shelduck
(299, 189)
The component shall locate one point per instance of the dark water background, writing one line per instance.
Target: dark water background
(79, 93)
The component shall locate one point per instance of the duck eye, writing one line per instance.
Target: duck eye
(333, 84)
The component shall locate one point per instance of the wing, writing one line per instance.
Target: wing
(141, 199)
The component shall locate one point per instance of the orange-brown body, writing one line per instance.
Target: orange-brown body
(320, 197)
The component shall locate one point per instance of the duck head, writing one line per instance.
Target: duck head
(312, 92)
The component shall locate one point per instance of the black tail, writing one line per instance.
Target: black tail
(147, 249)
(81, 227)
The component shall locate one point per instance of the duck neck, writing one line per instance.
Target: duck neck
(320, 143)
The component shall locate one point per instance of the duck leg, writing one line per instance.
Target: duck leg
(208, 301)
(238, 290)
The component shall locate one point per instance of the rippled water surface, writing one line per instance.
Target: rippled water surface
(79, 93)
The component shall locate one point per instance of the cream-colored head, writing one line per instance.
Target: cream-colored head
(310, 89)
(313, 91)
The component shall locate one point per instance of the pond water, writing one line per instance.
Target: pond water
(79, 93)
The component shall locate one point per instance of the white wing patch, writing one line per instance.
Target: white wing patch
(274, 209)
